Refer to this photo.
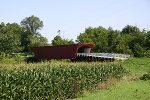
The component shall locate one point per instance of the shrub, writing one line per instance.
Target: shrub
(148, 53)
(145, 77)
(12, 58)
(2, 56)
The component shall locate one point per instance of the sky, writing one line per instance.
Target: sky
(72, 17)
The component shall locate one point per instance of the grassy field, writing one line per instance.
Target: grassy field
(137, 65)
(130, 87)
(134, 90)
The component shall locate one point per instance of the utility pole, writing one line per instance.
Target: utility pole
(58, 32)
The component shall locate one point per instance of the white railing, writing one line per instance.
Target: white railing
(28, 56)
(104, 55)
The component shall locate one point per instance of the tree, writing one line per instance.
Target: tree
(112, 39)
(148, 40)
(123, 44)
(97, 36)
(31, 37)
(32, 24)
(138, 50)
(86, 37)
(131, 30)
(10, 38)
(59, 41)
(39, 40)
(134, 40)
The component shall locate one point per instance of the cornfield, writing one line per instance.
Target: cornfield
(53, 81)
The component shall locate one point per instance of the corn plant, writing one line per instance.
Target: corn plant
(54, 81)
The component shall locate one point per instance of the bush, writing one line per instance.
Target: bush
(148, 53)
(12, 58)
(2, 56)
(145, 77)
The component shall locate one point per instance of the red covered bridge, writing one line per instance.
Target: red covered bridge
(75, 52)
(61, 51)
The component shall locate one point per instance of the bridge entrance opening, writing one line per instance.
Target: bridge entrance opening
(84, 49)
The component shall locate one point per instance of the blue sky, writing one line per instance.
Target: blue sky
(71, 17)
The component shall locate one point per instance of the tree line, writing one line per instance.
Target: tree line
(130, 40)
(15, 38)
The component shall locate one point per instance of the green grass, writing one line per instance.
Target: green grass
(127, 89)
(137, 65)
(134, 90)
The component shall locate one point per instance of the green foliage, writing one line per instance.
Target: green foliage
(145, 77)
(130, 30)
(59, 82)
(112, 40)
(10, 38)
(32, 24)
(6, 58)
(2, 56)
(59, 41)
(123, 45)
(138, 50)
(148, 40)
(97, 36)
(129, 41)
(15, 38)
(31, 37)
(12, 58)
(148, 53)
(38, 40)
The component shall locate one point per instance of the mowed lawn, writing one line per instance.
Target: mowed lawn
(130, 87)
